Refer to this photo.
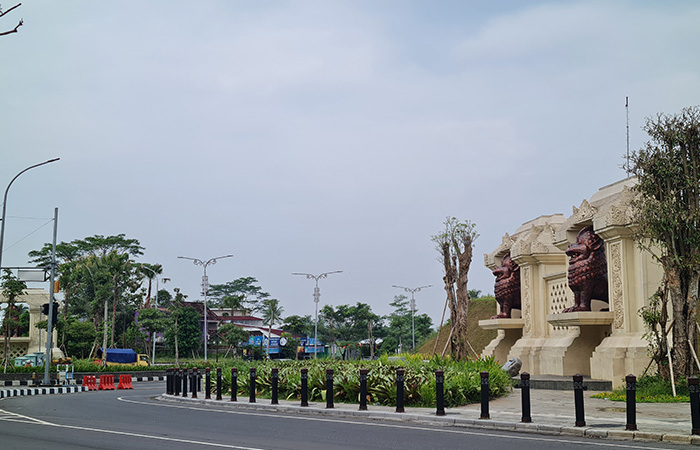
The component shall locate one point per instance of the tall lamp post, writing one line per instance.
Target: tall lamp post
(413, 308)
(4, 203)
(205, 289)
(317, 298)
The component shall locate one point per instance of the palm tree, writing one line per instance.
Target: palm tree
(150, 271)
(234, 302)
(271, 310)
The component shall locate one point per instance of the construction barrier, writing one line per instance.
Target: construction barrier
(106, 383)
(90, 381)
(125, 382)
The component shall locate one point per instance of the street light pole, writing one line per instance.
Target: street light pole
(413, 308)
(317, 298)
(4, 203)
(205, 289)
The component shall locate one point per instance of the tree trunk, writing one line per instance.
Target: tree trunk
(148, 296)
(177, 353)
(459, 338)
(114, 310)
(684, 300)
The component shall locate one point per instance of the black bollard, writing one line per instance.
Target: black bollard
(363, 389)
(252, 385)
(194, 384)
(440, 392)
(485, 396)
(631, 388)
(275, 378)
(176, 382)
(168, 381)
(184, 382)
(304, 387)
(525, 396)
(399, 390)
(578, 400)
(207, 390)
(218, 383)
(329, 388)
(694, 391)
(234, 384)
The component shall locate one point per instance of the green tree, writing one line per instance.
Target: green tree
(474, 293)
(667, 212)
(164, 298)
(11, 288)
(241, 291)
(152, 321)
(298, 325)
(234, 336)
(272, 311)
(93, 271)
(79, 337)
(455, 245)
(189, 332)
(150, 272)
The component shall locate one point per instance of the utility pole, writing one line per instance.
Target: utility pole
(49, 325)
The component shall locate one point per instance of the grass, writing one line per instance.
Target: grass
(651, 389)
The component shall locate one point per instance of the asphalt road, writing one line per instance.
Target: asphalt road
(134, 420)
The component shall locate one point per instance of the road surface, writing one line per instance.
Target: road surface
(134, 419)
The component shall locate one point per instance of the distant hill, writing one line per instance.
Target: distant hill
(479, 309)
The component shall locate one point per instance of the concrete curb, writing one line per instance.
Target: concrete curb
(6, 393)
(12, 383)
(447, 421)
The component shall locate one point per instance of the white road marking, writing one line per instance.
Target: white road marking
(14, 417)
(441, 429)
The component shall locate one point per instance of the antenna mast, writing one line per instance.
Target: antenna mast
(627, 110)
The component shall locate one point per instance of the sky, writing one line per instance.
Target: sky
(318, 136)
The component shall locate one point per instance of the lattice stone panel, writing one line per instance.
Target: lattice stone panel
(560, 297)
(16, 350)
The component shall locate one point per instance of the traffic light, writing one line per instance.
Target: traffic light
(45, 309)
(54, 318)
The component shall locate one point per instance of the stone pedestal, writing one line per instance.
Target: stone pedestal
(509, 331)
(569, 353)
(606, 344)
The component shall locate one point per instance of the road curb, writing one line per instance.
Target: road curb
(6, 393)
(446, 421)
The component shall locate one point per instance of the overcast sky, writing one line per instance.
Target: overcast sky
(314, 136)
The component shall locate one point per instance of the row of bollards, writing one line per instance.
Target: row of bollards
(178, 380)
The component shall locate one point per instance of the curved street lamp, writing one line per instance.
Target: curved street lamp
(205, 289)
(4, 203)
(413, 308)
(317, 298)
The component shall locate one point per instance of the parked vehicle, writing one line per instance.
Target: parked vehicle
(125, 357)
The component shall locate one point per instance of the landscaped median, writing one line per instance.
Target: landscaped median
(462, 380)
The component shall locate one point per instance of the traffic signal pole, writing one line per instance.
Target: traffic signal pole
(49, 325)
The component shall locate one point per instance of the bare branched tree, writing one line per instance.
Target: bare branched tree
(455, 244)
(19, 24)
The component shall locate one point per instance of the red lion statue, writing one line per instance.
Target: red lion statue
(588, 270)
(507, 287)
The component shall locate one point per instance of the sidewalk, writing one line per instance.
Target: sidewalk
(552, 412)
